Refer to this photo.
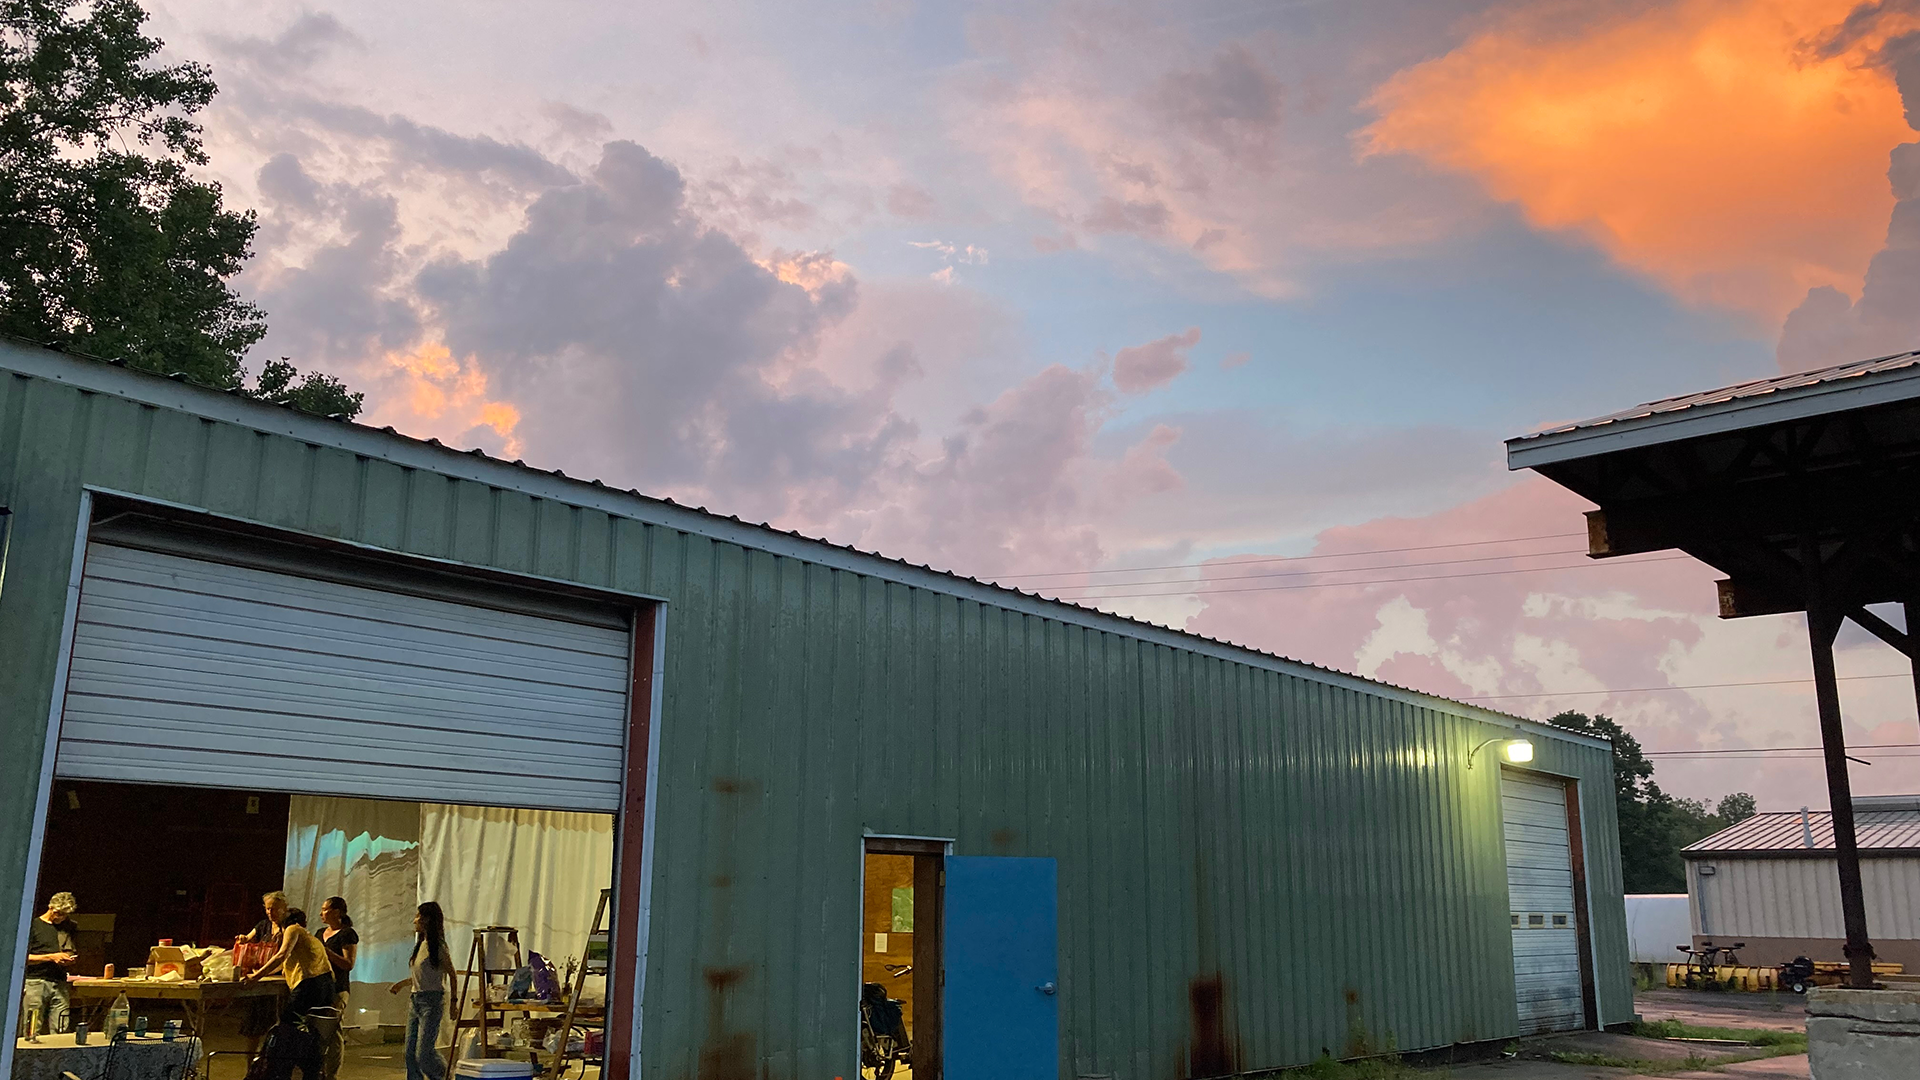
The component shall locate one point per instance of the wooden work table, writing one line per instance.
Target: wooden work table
(192, 997)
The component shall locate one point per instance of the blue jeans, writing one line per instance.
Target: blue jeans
(423, 1031)
(48, 999)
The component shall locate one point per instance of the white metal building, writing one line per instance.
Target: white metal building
(1772, 882)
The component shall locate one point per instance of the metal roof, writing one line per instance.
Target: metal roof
(1883, 824)
(768, 537)
(1728, 408)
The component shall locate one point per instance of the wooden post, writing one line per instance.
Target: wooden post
(1823, 624)
(1912, 609)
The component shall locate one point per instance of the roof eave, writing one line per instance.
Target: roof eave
(1797, 853)
(1734, 414)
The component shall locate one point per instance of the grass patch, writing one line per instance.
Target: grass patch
(1385, 1068)
(1693, 1063)
(1789, 1042)
(1754, 1043)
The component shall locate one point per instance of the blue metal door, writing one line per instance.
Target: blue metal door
(1002, 1009)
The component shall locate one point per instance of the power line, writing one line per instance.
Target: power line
(1685, 686)
(1281, 558)
(1312, 573)
(1784, 750)
(1374, 581)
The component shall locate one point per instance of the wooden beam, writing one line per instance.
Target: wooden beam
(1763, 512)
(1822, 626)
(1912, 610)
(1598, 546)
(1742, 598)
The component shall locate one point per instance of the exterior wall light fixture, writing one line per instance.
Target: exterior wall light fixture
(1517, 751)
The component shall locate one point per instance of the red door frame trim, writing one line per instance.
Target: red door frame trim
(630, 854)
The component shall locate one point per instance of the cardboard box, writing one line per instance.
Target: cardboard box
(162, 959)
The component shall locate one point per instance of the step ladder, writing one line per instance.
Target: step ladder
(480, 975)
(593, 961)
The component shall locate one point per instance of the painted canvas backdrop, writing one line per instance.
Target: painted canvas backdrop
(536, 870)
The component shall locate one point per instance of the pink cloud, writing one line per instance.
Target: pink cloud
(1473, 630)
(1187, 145)
(1140, 368)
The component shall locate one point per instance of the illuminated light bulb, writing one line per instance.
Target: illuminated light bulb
(1519, 751)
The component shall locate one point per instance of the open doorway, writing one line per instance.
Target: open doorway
(162, 874)
(901, 958)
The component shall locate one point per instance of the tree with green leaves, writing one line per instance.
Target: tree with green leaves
(1735, 808)
(1654, 825)
(109, 244)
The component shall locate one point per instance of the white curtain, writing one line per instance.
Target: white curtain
(539, 871)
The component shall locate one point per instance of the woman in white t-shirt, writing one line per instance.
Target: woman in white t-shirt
(431, 970)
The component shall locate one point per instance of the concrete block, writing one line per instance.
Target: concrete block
(1863, 1034)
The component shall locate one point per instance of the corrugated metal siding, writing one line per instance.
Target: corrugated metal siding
(1800, 898)
(1873, 830)
(1318, 852)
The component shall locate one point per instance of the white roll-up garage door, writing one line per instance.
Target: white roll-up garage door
(1546, 939)
(191, 671)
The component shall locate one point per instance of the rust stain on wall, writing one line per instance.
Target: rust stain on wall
(724, 1054)
(1211, 1048)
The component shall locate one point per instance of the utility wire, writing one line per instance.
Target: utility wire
(1311, 573)
(1282, 558)
(1373, 581)
(1687, 686)
(1786, 750)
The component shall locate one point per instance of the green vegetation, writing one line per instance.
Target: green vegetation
(1385, 1068)
(110, 244)
(1654, 825)
(1755, 1043)
(1647, 1066)
(1795, 1042)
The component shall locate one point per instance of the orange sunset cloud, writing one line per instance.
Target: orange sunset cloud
(1701, 142)
(431, 391)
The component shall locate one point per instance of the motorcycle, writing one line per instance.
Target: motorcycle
(883, 1033)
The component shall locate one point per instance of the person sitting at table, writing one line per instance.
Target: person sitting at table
(342, 943)
(50, 952)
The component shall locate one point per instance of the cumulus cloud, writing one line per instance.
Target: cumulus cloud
(1696, 141)
(1140, 368)
(639, 341)
(1829, 327)
(1189, 145)
(1230, 103)
(618, 332)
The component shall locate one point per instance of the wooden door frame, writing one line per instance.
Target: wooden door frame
(1583, 928)
(929, 945)
(633, 847)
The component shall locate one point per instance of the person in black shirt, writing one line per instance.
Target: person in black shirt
(50, 952)
(342, 943)
(262, 1013)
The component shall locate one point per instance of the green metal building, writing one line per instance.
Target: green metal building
(1254, 862)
